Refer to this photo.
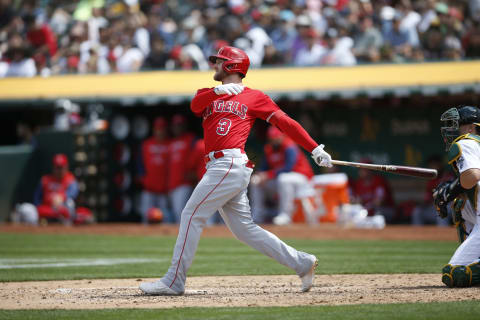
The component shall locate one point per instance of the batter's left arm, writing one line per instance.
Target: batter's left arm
(469, 178)
(298, 134)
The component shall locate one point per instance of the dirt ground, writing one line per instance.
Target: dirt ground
(228, 291)
(301, 231)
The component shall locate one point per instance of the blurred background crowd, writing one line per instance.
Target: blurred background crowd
(48, 37)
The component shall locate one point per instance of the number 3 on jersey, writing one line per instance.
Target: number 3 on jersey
(223, 126)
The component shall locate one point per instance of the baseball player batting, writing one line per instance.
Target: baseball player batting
(228, 112)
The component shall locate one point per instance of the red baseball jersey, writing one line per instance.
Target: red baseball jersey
(227, 120)
(51, 186)
(276, 158)
(370, 190)
(197, 159)
(155, 162)
(178, 165)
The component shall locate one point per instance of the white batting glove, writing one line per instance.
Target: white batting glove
(229, 88)
(321, 157)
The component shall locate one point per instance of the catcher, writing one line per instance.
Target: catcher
(460, 131)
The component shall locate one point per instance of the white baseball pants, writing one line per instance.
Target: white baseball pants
(291, 186)
(288, 185)
(224, 188)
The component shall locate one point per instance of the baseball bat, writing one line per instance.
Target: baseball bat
(403, 170)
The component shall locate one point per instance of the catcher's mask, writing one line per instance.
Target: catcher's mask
(453, 118)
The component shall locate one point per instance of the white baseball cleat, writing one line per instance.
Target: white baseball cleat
(282, 219)
(157, 288)
(307, 279)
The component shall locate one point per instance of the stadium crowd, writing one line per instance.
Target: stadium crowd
(48, 37)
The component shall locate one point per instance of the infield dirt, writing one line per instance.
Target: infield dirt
(232, 291)
(299, 231)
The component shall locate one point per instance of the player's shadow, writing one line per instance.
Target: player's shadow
(415, 288)
(120, 296)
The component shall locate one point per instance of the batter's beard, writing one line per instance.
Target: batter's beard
(219, 76)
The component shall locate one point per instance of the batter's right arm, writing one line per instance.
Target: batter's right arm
(202, 99)
(206, 96)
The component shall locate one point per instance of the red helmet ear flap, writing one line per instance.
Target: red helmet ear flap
(235, 65)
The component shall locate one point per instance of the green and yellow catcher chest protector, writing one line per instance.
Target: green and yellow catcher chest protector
(454, 153)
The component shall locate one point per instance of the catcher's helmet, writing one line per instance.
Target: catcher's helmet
(453, 118)
(236, 60)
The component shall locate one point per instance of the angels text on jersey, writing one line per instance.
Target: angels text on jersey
(226, 106)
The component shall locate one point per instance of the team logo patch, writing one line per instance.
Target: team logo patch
(460, 163)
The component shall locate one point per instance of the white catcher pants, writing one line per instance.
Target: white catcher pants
(224, 188)
(469, 251)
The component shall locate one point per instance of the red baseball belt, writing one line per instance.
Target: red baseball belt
(220, 154)
(216, 155)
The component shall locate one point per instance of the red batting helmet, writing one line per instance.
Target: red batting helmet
(274, 133)
(236, 60)
(178, 119)
(159, 123)
(60, 160)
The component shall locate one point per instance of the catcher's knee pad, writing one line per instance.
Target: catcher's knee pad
(475, 270)
(459, 276)
(462, 276)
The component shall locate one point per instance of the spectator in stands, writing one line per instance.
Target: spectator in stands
(179, 186)
(140, 36)
(471, 40)
(7, 14)
(84, 37)
(158, 56)
(433, 42)
(56, 193)
(474, 10)
(259, 39)
(368, 41)
(192, 30)
(303, 25)
(312, 52)
(285, 173)
(373, 192)
(283, 33)
(153, 172)
(130, 58)
(272, 57)
(425, 213)
(20, 63)
(339, 50)
(409, 21)
(397, 38)
(428, 15)
(40, 37)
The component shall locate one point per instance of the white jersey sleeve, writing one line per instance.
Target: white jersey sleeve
(470, 155)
